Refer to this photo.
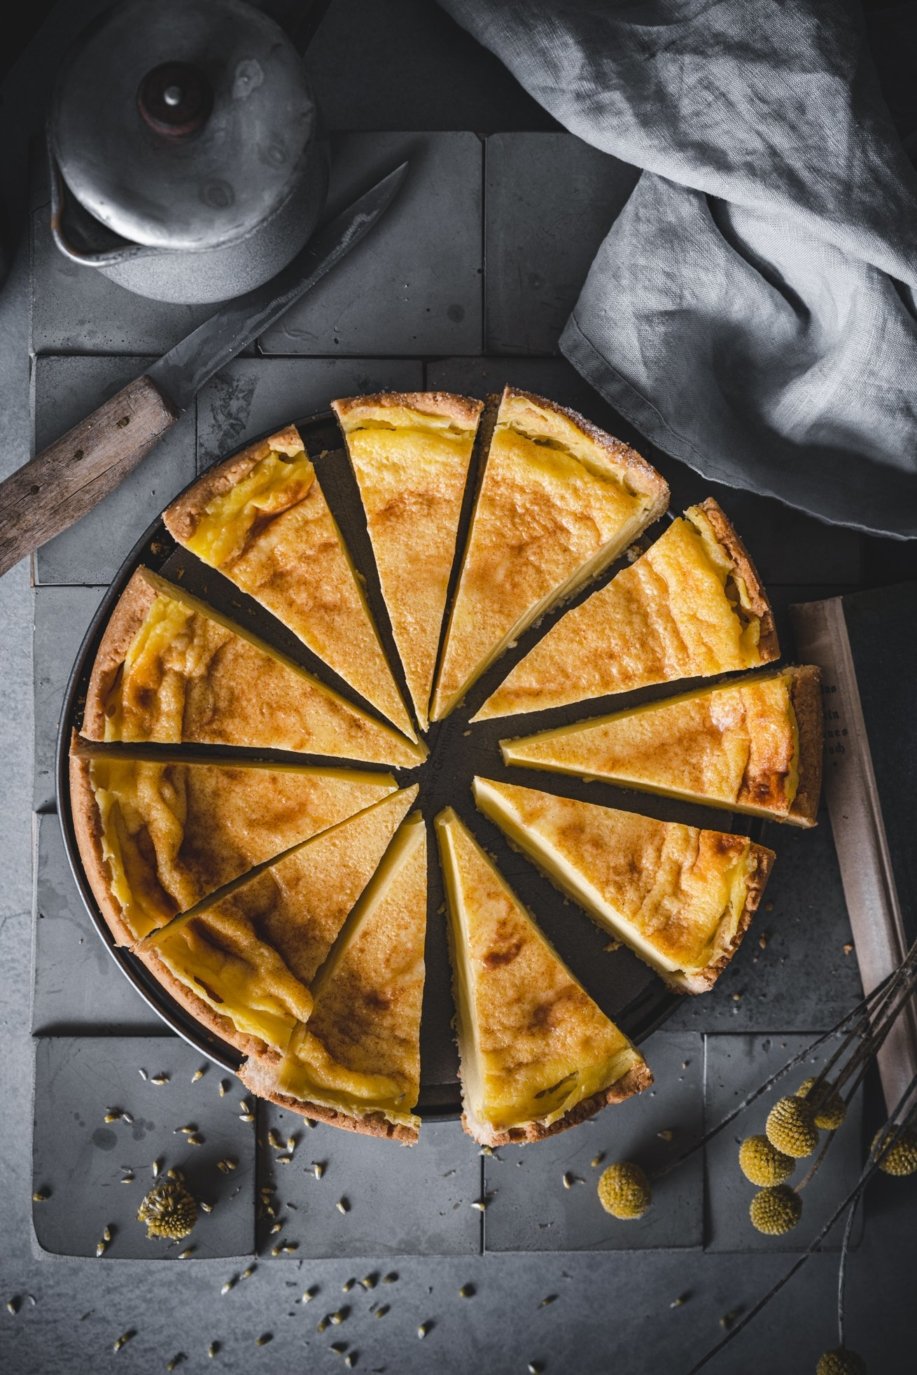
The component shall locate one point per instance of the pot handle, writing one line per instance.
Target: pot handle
(88, 257)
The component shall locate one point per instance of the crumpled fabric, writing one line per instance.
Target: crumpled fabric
(753, 308)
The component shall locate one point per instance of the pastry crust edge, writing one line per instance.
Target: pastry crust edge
(740, 559)
(466, 410)
(182, 516)
(130, 612)
(702, 980)
(805, 695)
(637, 1078)
(258, 1074)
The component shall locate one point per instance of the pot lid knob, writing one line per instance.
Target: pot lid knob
(183, 124)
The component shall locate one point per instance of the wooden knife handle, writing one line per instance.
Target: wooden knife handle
(79, 469)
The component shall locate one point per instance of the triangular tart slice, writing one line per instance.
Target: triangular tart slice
(262, 519)
(753, 745)
(537, 1054)
(157, 835)
(680, 898)
(243, 964)
(558, 501)
(410, 453)
(356, 1062)
(692, 606)
(171, 670)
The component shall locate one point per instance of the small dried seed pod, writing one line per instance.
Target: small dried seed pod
(791, 1127)
(898, 1159)
(168, 1210)
(827, 1104)
(762, 1164)
(775, 1211)
(840, 1361)
(624, 1190)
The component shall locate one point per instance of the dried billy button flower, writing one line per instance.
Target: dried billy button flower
(899, 1158)
(763, 1164)
(840, 1361)
(624, 1190)
(168, 1211)
(775, 1211)
(791, 1127)
(827, 1104)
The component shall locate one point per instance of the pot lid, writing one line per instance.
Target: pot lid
(182, 123)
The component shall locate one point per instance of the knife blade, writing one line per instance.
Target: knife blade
(72, 475)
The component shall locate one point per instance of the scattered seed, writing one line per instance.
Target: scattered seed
(224, 1087)
(13, 1305)
(391, 1277)
(596, 1160)
(188, 1251)
(206, 1207)
(569, 1180)
(321, 1325)
(340, 1316)
(195, 1139)
(424, 1328)
(311, 1122)
(309, 1294)
(156, 1167)
(198, 1074)
(318, 1168)
(486, 1150)
(847, 948)
(227, 1164)
(347, 1286)
(292, 1143)
(41, 1195)
(535, 1367)
(548, 1298)
(277, 1227)
(244, 1105)
(128, 1178)
(343, 1205)
(159, 1079)
(174, 1173)
(727, 1320)
(284, 1159)
(666, 1134)
(230, 1284)
(273, 1139)
(212, 1349)
(677, 1303)
(370, 1281)
(350, 1360)
(112, 1115)
(248, 1272)
(175, 1361)
(123, 1339)
(612, 946)
(480, 1205)
(128, 1118)
(143, 1074)
(264, 1339)
(338, 1348)
(467, 1291)
(382, 1310)
(187, 1130)
(246, 1117)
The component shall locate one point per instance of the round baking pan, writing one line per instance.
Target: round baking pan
(623, 987)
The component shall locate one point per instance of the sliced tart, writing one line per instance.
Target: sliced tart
(537, 1054)
(156, 835)
(410, 453)
(692, 606)
(680, 898)
(244, 963)
(558, 501)
(356, 1061)
(752, 745)
(261, 518)
(171, 670)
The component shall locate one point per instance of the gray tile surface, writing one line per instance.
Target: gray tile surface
(77, 985)
(92, 551)
(414, 285)
(735, 1066)
(62, 616)
(549, 201)
(530, 1209)
(253, 394)
(402, 1200)
(80, 1160)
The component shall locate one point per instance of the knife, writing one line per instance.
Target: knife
(67, 479)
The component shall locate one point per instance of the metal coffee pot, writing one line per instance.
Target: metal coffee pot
(185, 158)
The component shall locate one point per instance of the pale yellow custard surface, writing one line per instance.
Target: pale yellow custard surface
(533, 1043)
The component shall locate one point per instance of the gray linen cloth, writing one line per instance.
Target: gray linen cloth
(753, 309)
